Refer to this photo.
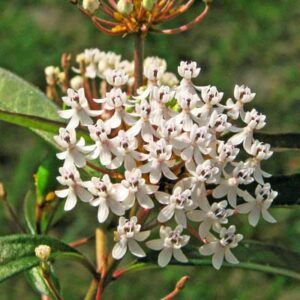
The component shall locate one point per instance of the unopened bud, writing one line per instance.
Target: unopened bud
(2, 191)
(90, 5)
(148, 4)
(42, 252)
(51, 73)
(125, 7)
(76, 82)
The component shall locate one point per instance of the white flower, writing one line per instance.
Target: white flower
(226, 152)
(76, 188)
(116, 100)
(254, 120)
(108, 61)
(153, 72)
(91, 60)
(243, 95)
(74, 151)
(170, 130)
(204, 173)
(170, 244)
(260, 151)
(116, 78)
(188, 70)
(176, 204)
(108, 196)
(241, 174)
(142, 125)
(127, 67)
(218, 122)
(259, 205)
(124, 149)
(155, 60)
(159, 161)
(160, 96)
(187, 103)
(103, 145)
(211, 97)
(138, 189)
(127, 235)
(220, 248)
(79, 111)
(210, 216)
(195, 144)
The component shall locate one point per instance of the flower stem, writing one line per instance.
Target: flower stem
(138, 59)
(92, 290)
(179, 286)
(51, 285)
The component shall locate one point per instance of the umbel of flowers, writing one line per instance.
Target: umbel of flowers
(170, 157)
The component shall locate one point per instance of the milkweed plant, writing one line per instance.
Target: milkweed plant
(167, 165)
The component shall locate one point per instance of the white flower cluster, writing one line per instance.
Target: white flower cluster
(98, 62)
(178, 154)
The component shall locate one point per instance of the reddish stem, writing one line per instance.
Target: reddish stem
(194, 232)
(138, 60)
(185, 27)
(111, 173)
(80, 242)
(179, 286)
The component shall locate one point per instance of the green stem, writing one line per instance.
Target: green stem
(138, 59)
(92, 290)
(51, 285)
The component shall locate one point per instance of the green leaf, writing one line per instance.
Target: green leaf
(31, 121)
(45, 178)
(39, 284)
(280, 140)
(17, 253)
(253, 255)
(29, 212)
(19, 96)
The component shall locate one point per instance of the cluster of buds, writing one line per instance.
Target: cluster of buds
(132, 16)
(169, 156)
(92, 66)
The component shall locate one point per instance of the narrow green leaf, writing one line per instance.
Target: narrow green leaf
(253, 255)
(31, 121)
(17, 253)
(39, 284)
(29, 211)
(280, 140)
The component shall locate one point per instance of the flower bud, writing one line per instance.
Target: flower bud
(125, 7)
(2, 191)
(76, 82)
(42, 252)
(148, 4)
(90, 5)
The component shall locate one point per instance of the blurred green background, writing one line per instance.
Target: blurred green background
(240, 41)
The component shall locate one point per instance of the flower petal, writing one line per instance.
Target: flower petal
(164, 257)
(179, 255)
(135, 248)
(155, 244)
(119, 250)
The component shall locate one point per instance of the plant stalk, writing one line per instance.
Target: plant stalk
(138, 59)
